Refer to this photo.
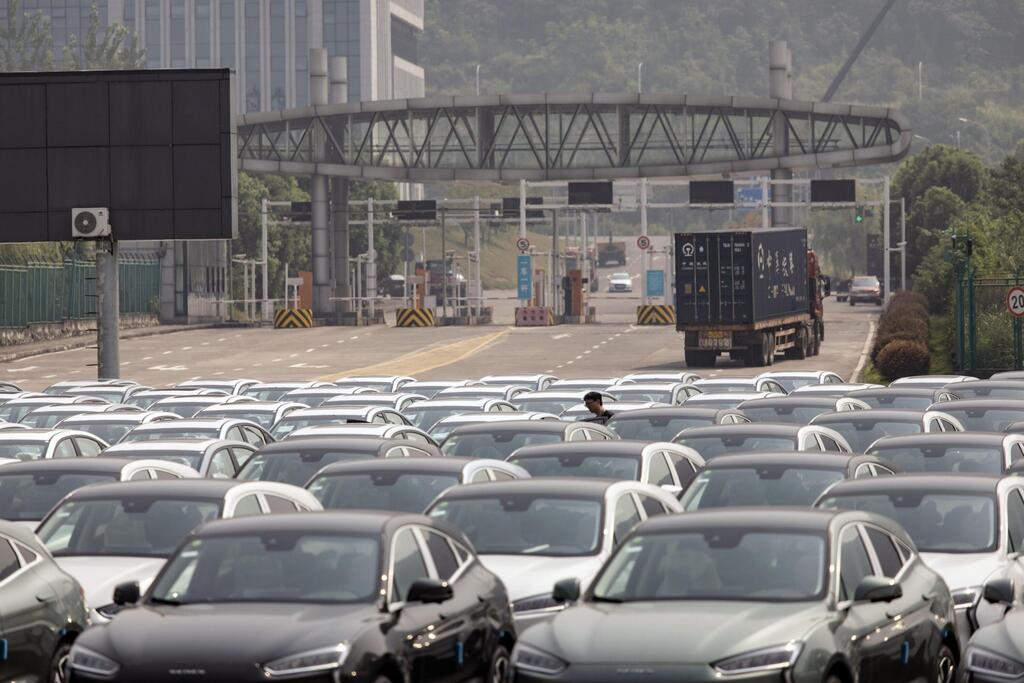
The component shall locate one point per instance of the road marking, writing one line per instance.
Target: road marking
(561, 336)
(186, 348)
(426, 359)
(168, 368)
(292, 355)
(355, 337)
(205, 344)
(222, 339)
(148, 358)
(323, 346)
(303, 365)
(165, 353)
(587, 352)
(24, 369)
(277, 360)
(855, 377)
(569, 362)
(310, 350)
(127, 362)
(579, 357)
(217, 374)
(596, 346)
(49, 376)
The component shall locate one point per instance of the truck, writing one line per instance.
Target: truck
(611, 253)
(750, 294)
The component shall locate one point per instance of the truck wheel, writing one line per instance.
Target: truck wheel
(851, 302)
(694, 359)
(816, 344)
(800, 345)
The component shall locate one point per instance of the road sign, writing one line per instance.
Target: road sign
(749, 195)
(1015, 301)
(655, 283)
(644, 242)
(522, 244)
(524, 271)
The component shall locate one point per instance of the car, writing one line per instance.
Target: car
(994, 652)
(234, 387)
(662, 424)
(275, 391)
(15, 411)
(968, 527)
(399, 401)
(313, 397)
(201, 428)
(188, 406)
(146, 399)
(988, 388)
(1008, 374)
(900, 397)
(43, 609)
(581, 385)
(726, 400)
(295, 461)
(739, 385)
(498, 440)
(7, 397)
(106, 534)
(721, 440)
(426, 414)
(107, 392)
(865, 289)
(791, 379)
(47, 417)
(357, 429)
(444, 427)
(111, 427)
(834, 390)
(9, 388)
(776, 479)
(1015, 428)
(13, 425)
(214, 458)
(669, 393)
(533, 532)
(861, 428)
(763, 594)
(402, 485)
(842, 290)
(795, 409)
(430, 388)
(550, 401)
(323, 415)
(536, 382)
(385, 384)
(663, 464)
(931, 381)
(263, 413)
(983, 414)
(502, 392)
(620, 282)
(44, 444)
(58, 388)
(681, 377)
(582, 413)
(968, 452)
(333, 596)
(29, 490)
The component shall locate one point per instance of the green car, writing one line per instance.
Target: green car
(42, 609)
(753, 594)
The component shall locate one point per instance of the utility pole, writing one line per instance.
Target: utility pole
(781, 87)
(644, 256)
(108, 311)
(371, 265)
(478, 286)
(264, 210)
(318, 194)
(338, 94)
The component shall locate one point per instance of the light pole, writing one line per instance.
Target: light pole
(478, 80)
(640, 78)
(920, 82)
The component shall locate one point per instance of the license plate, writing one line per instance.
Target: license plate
(715, 339)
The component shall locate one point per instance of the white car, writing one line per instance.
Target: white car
(442, 428)
(263, 413)
(734, 385)
(111, 427)
(340, 414)
(834, 390)
(584, 384)
(792, 379)
(312, 397)
(620, 282)
(273, 391)
(48, 417)
(426, 414)
(671, 393)
(505, 392)
(357, 429)
(931, 381)
(107, 534)
(213, 458)
(861, 428)
(579, 412)
(726, 400)
(556, 402)
(200, 428)
(385, 383)
(231, 386)
(431, 387)
(535, 532)
(188, 406)
(682, 376)
(399, 401)
(538, 382)
(44, 444)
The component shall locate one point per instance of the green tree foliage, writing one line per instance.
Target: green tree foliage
(26, 43)
(116, 48)
(932, 214)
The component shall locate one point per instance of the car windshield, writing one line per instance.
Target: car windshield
(865, 282)
(264, 418)
(111, 432)
(393, 491)
(657, 396)
(143, 402)
(22, 450)
(967, 459)
(498, 444)
(193, 459)
(13, 412)
(273, 567)
(726, 387)
(296, 467)
(718, 401)
(768, 485)
(44, 421)
(173, 433)
(654, 428)
(183, 409)
(266, 394)
(716, 564)
(786, 414)
(964, 390)
(287, 425)
(28, 497)
(713, 446)
(624, 467)
(937, 522)
(108, 395)
(525, 524)
(985, 419)
(135, 526)
(620, 276)
(791, 382)
(860, 432)
(897, 402)
(425, 418)
(545, 405)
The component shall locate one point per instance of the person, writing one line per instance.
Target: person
(592, 400)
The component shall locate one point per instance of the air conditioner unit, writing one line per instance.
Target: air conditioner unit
(90, 223)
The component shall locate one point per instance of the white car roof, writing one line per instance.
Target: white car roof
(190, 423)
(472, 418)
(189, 445)
(647, 386)
(455, 403)
(41, 435)
(138, 416)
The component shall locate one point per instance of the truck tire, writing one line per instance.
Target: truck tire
(755, 356)
(816, 344)
(800, 344)
(699, 359)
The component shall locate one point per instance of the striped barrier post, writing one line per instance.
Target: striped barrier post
(534, 316)
(293, 318)
(415, 317)
(656, 314)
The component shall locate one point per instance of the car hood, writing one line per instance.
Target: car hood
(525, 576)
(962, 570)
(99, 575)
(673, 632)
(1005, 637)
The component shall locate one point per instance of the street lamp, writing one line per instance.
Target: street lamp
(478, 80)
(640, 78)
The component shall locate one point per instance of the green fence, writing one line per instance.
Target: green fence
(988, 337)
(43, 292)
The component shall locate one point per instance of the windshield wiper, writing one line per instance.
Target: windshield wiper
(166, 601)
(602, 598)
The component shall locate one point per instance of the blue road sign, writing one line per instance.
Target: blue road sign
(655, 283)
(524, 270)
(749, 195)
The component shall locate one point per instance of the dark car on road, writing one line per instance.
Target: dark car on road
(764, 594)
(337, 596)
(661, 424)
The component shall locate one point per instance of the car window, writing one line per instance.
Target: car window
(501, 475)
(278, 504)
(141, 475)
(652, 506)
(659, 473)
(626, 516)
(881, 471)
(414, 436)
(164, 474)
(595, 435)
(253, 436)
(408, 563)
(863, 471)
(577, 435)
(854, 563)
(8, 560)
(479, 476)
(28, 556)
(445, 560)
(416, 452)
(242, 456)
(1015, 521)
(829, 444)
(87, 447)
(396, 452)
(889, 559)
(248, 505)
(235, 434)
(65, 449)
(221, 465)
(684, 469)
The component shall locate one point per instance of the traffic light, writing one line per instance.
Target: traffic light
(862, 213)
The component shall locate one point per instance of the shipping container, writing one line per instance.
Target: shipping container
(740, 277)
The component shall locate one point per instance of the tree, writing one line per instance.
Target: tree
(117, 49)
(939, 166)
(26, 43)
(933, 213)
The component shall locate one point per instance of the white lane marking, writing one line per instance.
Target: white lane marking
(168, 368)
(323, 346)
(596, 346)
(217, 374)
(277, 360)
(292, 355)
(223, 339)
(355, 337)
(49, 376)
(579, 357)
(310, 350)
(27, 368)
(75, 372)
(586, 352)
(303, 365)
(205, 344)
(127, 362)
(148, 358)
(238, 369)
(569, 362)
(257, 365)
(186, 348)
(165, 353)
(603, 343)
(340, 341)
(561, 336)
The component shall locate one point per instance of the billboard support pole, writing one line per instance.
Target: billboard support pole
(108, 311)
(644, 257)
(337, 69)
(318, 195)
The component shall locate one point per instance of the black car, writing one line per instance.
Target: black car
(963, 452)
(661, 424)
(989, 388)
(903, 397)
(792, 409)
(712, 442)
(337, 596)
(984, 414)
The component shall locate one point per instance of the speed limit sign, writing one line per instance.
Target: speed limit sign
(1015, 301)
(643, 242)
(522, 244)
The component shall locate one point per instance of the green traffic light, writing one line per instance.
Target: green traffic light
(860, 218)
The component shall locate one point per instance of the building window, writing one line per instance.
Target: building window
(278, 98)
(178, 34)
(253, 91)
(227, 33)
(405, 40)
(301, 54)
(153, 34)
(341, 38)
(202, 33)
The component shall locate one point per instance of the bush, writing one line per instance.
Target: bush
(904, 296)
(905, 319)
(903, 358)
(883, 340)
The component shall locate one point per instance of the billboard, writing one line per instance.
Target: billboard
(155, 147)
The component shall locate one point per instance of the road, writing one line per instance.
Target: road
(606, 348)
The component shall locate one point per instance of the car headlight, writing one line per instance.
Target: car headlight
(89, 662)
(992, 664)
(965, 598)
(531, 659)
(536, 602)
(311, 661)
(768, 659)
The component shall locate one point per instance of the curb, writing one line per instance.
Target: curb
(863, 360)
(82, 341)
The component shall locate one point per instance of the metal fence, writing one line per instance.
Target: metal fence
(988, 338)
(48, 292)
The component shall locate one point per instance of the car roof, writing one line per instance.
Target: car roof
(987, 403)
(796, 459)
(899, 389)
(360, 444)
(117, 416)
(672, 411)
(531, 426)
(937, 481)
(190, 445)
(336, 409)
(769, 428)
(945, 438)
(252, 405)
(452, 403)
(440, 465)
(32, 434)
(647, 386)
(875, 414)
(620, 448)
(213, 489)
(190, 422)
(102, 465)
(790, 400)
(543, 486)
(362, 522)
(809, 519)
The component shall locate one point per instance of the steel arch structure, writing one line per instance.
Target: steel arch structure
(567, 137)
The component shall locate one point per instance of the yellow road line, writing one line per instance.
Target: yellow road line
(427, 359)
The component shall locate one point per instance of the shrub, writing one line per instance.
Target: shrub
(883, 340)
(904, 296)
(903, 358)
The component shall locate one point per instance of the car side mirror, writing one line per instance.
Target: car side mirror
(127, 593)
(877, 589)
(429, 591)
(566, 590)
(999, 591)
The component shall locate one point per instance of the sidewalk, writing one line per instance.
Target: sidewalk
(17, 352)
